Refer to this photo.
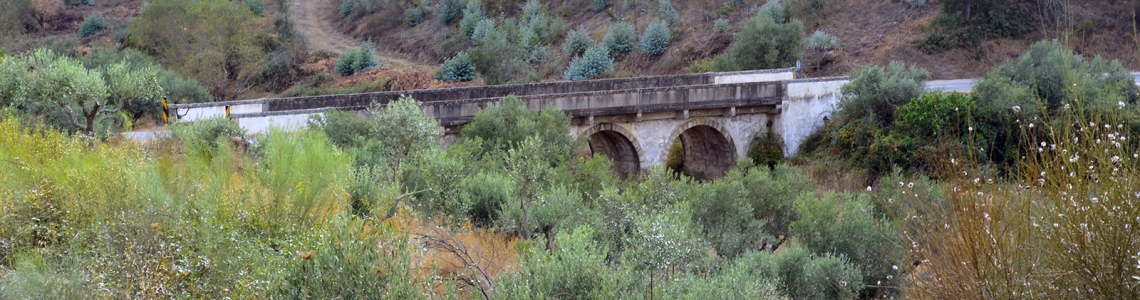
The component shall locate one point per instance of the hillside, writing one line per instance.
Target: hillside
(869, 32)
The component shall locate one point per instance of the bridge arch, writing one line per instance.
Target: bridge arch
(707, 147)
(617, 143)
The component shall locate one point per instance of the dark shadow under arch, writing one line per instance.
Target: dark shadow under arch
(619, 149)
(707, 153)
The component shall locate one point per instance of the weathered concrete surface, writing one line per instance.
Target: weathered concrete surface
(739, 77)
(807, 104)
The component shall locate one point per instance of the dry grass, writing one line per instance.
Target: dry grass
(1064, 226)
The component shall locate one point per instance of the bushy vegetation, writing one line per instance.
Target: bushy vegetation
(966, 23)
(457, 68)
(74, 97)
(577, 41)
(448, 10)
(656, 38)
(599, 5)
(357, 60)
(595, 61)
(865, 117)
(769, 40)
(210, 41)
(413, 16)
(721, 25)
(620, 40)
(885, 121)
(667, 12)
(257, 7)
(473, 14)
(821, 40)
(92, 24)
(504, 50)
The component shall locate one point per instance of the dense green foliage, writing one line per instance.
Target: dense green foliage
(821, 40)
(457, 68)
(357, 60)
(863, 126)
(620, 40)
(92, 24)
(50, 84)
(448, 10)
(472, 14)
(594, 62)
(966, 23)
(767, 149)
(769, 40)
(721, 25)
(577, 41)
(656, 38)
(413, 16)
(884, 121)
(599, 5)
(210, 41)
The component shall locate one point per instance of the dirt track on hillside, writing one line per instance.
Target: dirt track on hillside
(313, 20)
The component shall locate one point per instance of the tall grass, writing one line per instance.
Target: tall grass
(228, 219)
(1063, 225)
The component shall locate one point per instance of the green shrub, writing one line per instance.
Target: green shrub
(845, 228)
(767, 150)
(472, 14)
(255, 6)
(769, 40)
(821, 40)
(876, 91)
(725, 9)
(599, 5)
(1041, 80)
(457, 68)
(507, 125)
(629, 4)
(918, 3)
(532, 10)
(804, 275)
(620, 40)
(498, 58)
(203, 138)
(577, 41)
(93, 24)
(721, 25)
(357, 60)
(344, 129)
(747, 207)
(663, 240)
(576, 269)
(343, 263)
(656, 38)
(347, 6)
(667, 12)
(448, 10)
(484, 30)
(488, 192)
(413, 16)
(863, 130)
(966, 23)
(594, 62)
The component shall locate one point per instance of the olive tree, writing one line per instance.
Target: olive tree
(85, 94)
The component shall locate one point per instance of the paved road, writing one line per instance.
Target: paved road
(965, 85)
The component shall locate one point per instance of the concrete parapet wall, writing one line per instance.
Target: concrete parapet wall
(806, 104)
(364, 100)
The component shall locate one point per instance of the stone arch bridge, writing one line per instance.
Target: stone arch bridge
(635, 121)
